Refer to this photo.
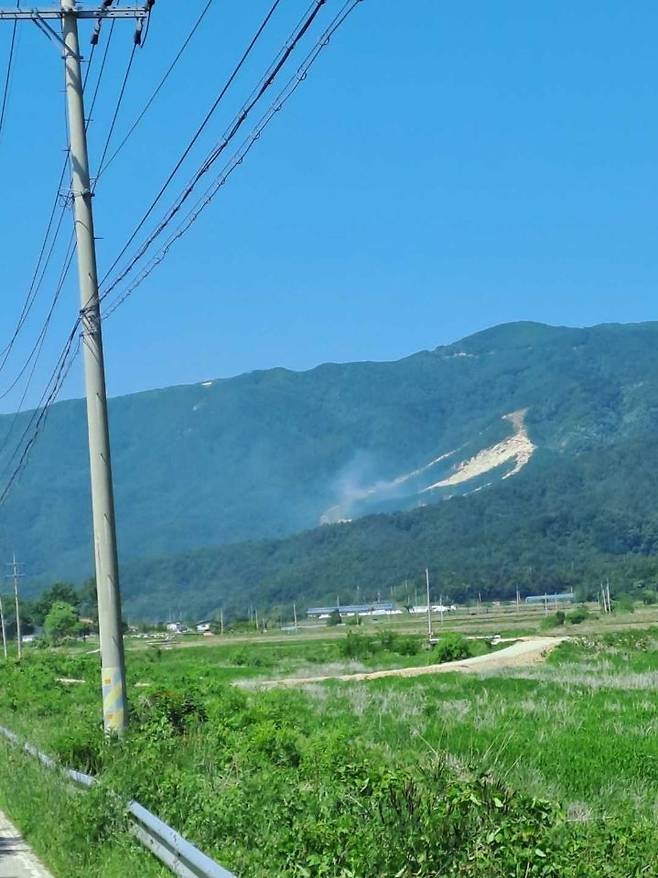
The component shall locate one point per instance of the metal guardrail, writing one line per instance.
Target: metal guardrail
(180, 856)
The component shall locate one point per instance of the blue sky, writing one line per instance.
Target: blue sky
(444, 167)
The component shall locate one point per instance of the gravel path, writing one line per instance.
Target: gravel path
(16, 859)
(524, 652)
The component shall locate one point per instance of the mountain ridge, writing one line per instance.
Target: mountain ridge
(266, 453)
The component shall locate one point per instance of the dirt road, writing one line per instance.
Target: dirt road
(524, 652)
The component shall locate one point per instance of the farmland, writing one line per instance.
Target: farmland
(549, 769)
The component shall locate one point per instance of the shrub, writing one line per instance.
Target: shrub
(577, 616)
(624, 603)
(451, 647)
(179, 709)
(555, 620)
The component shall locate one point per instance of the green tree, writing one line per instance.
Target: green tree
(62, 621)
(60, 592)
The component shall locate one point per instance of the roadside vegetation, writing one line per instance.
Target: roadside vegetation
(549, 770)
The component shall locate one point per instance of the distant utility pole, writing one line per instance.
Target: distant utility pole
(4, 630)
(221, 621)
(15, 575)
(518, 601)
(294, 614)
(429, 608)
(102, 499)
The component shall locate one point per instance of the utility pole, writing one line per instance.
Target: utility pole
(105, 550)
(221, 621)
(429, 608)
(518, 601)
(15, 575)
(294, 613)
(102, 495)
(4, 630)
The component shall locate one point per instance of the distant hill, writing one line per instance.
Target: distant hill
(269, 454)
(563, 523)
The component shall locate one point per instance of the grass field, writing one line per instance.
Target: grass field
(545, 770)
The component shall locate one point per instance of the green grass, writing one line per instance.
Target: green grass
(76, 834)
(549, 770)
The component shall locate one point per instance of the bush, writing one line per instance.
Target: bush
(577, 616)
(555, 620)
(624, 603)
(361, 646)
(179, 709)
(451, 647)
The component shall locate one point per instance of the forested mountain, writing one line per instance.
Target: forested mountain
(517, 408)
(563, 523)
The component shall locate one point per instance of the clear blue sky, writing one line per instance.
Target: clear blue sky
(444, 168)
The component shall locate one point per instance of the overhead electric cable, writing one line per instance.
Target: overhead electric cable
(240, 154)
(36, 348)
(5, 94)
(40, 413)
(117, 108)
(90, 110)
(197, 134)
(37, 279)
(158, 88)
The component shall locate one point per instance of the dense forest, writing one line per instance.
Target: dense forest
(266, 454)
(560, 524)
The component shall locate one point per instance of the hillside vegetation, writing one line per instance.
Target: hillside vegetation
(269, 454)
(546, 772)
(560, 524)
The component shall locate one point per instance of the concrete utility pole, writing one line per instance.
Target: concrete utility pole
(102, 497)
(4, 630)
(429, 607)
(15, 575)
(105, 550)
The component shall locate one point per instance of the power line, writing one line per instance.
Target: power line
(58, 376)
(36, 348)
(238, 157)
(33, 289)
(117, 108)
(197, 134)
(40, 413)
(12, 46)
(90, 111)
(158, 88)
(69, 352)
